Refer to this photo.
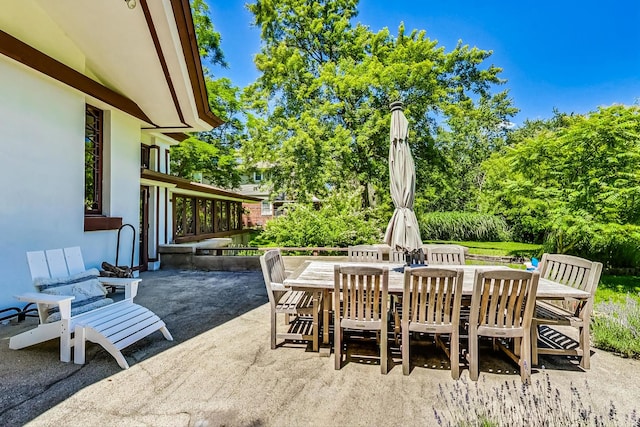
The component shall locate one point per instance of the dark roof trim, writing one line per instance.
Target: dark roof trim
(33, 58)
(163, 62)
(187, 33)
(177, 136)
(185, 184)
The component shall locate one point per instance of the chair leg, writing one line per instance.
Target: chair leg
(405, 347)
(534, 342)
(326, 306)
(525, 358)
(396, 326)
(454, 355)
(79, 345)
(337, 332)
(585, 362)
(65, 341)
(384, 340)
(473, 354)
(274, 316)
(316, 323)
(337, 345)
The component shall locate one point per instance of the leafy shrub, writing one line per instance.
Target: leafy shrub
(463, 226)
(612, 244)
(338, 221)
(616, 327)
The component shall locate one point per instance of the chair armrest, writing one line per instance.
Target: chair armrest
(130, 284)
(279, 287)
(40, 298)
(62, 301)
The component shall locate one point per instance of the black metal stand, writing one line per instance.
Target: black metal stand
(21, 314)
(133, 244)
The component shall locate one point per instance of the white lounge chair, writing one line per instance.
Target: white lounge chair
(72, 306)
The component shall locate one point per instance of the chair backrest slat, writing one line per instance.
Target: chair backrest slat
(571, 271)
(445, 254)
(364, 254)
(38, 265)
(365, 292)
(274, 274)
(73, 257)
(503, 298)
(397, 256)
(57, 263)
(432, 296)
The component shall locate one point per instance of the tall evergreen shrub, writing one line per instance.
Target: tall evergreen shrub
(463, 226)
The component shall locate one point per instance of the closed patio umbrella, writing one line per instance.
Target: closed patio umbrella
(403, 231)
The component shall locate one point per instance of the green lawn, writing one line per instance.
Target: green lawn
(616, 288)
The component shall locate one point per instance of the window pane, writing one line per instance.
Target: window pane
(145, 156)
(235, 225)
(209, 218)
(189, 213)
(266, 208)
(202, 214)
(224, 219)
(179, 218)
(218, 215)
(93, 160)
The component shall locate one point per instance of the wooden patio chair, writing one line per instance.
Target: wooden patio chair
(502, 306)
(364, 254)
(72, 306)
(362, 292)
(431, 305)
(578, 273)
(301, 313)
(396, 256)
(445, 255)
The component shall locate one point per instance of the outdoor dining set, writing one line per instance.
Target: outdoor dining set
(435, 295)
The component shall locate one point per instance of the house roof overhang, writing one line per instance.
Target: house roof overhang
(143, 61)
(186, 187)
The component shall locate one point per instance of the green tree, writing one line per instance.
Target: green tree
(208, 38)
(338, 221)
(212, 154)
(570, 166)
(321, 105)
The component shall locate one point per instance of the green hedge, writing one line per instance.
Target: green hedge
(463, 226)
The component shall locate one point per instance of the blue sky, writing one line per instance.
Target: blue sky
(568, 54)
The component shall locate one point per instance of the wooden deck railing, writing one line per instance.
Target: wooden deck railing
(257, 250)
(324, 250)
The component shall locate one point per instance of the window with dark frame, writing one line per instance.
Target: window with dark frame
(194, 216)
(145, 156)
(93, 134)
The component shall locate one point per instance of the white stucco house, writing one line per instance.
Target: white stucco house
(92, 96)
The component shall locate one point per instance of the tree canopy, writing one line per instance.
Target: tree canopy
(321, 105)
(581, 166)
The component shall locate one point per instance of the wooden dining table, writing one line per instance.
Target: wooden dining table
(319, 276)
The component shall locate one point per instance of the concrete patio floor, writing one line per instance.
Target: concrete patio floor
(220, 370)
